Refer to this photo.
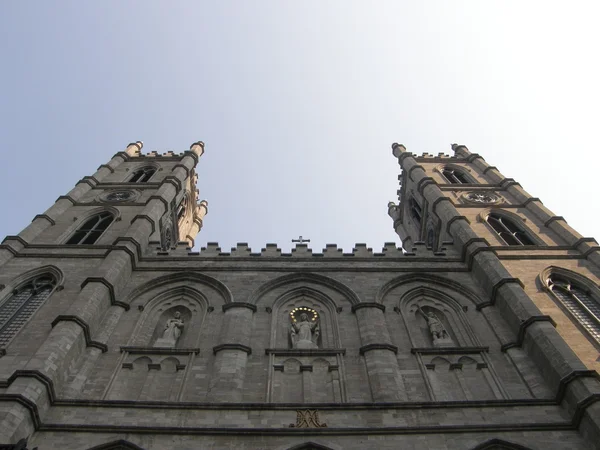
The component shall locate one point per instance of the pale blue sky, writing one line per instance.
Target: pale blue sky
(298, 104)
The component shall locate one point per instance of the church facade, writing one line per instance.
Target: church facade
(481, 331)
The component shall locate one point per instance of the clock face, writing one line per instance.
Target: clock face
(481, 197)
(119, 196)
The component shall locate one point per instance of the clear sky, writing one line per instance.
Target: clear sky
(298, 104)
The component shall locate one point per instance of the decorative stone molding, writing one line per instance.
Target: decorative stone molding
(250, 306)
(134, 350)
(244, 348)
(368, 305)
(481, 197)
(367, 348)
(305, 351)
(119, 196)
(308, 418)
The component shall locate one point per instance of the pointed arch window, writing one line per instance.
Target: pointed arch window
(181, 209)
(508, 230)
(579, 301)
(20, 306)
(142, 175)
(92, 229)
(415, 211)
(455, 176)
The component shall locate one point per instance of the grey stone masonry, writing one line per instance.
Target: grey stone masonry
(440, 344)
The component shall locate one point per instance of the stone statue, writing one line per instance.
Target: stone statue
(172, 331)
(305, 333)
(439, 334)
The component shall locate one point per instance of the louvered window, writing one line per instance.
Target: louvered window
(455, 176)
(415, 211)
(508, 230)
(21, 305)
(579, 302)
(142, 175)
(91, 230)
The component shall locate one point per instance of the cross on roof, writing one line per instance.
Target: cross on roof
(301, 240)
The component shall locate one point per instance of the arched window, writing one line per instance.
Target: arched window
(579, 302)
(415, 211)
(455, 176)
(21, 305)
(142, 175)
(508, 230)
(181, 209)
(91, 230)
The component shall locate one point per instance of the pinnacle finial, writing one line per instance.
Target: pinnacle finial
(397, 149)
(197, 148)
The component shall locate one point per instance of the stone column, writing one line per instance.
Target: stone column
(231, 355)
(380, 355)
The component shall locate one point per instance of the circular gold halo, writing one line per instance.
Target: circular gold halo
(303, 309)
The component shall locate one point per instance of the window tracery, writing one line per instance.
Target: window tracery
(510, 232)
(455, 176)
(415, 211)
(142, 175)
(579, 301)
(92, 229)
(22, 304)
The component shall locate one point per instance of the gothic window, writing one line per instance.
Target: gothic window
(21, 305)
(142, 175)
(415, 211)
(90, 231)
(579, 302)
(430, 241)
(181, 209)
(508, 230)
(455, 176)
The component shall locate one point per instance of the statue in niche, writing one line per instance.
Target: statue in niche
(172, 331)
(439, 334)
(304, 331)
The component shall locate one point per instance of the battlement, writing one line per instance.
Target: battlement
(135, 150)
(389, 250)
(426, 155)
(155, 154)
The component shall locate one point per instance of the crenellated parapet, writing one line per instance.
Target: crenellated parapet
(360, 250)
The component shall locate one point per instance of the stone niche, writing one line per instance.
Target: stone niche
(305, 355)
(454, 363)
(154, 364)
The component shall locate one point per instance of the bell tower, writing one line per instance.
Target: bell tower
(140, 200)
(461, 203)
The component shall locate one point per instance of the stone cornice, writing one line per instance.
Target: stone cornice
(158, 350)
(448, 350)
(305, 352)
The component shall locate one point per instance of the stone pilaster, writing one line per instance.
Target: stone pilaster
(231, 355)
(379, 353)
